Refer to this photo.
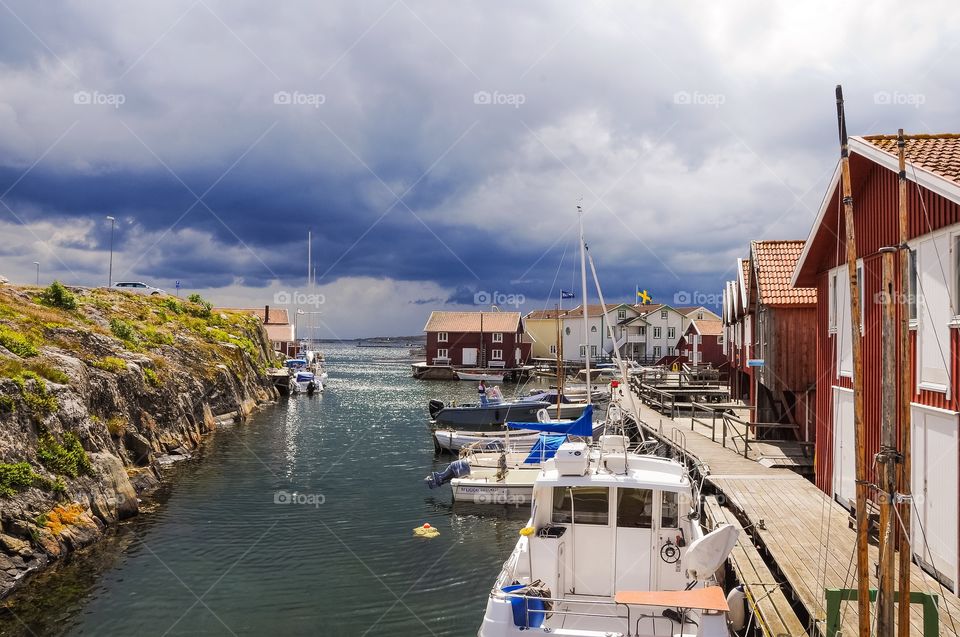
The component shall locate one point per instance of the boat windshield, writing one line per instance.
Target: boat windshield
(581, 505)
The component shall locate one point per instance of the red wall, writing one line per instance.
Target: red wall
(875, 222)
(457, 341)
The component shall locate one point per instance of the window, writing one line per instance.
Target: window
(833, 301)
(583, 351)
(699, 316)
(635, 508)
(621, 314)
(670, 510)
(861, 287)
(588, 505)
(593, 351)
(553, 349)
(656, 332)
(912, 292)
(643, 330)
(496, 354)
(441, 337)
(663, 314)
(671, 332)
(656, 351)
(720, 339)
(443, 353)
(498, 337)
(567, 331)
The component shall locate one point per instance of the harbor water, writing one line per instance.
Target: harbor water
(297, 522)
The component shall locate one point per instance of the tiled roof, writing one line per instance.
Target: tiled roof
(470, 322)
(709, 327)
(774, 263)
(938, 153)
(687, 310)
(546, 314)
(277, 316)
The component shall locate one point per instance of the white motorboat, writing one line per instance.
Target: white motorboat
(304, 382)
(453, 441)
(487, 377)
(613, 548)
(506, 475)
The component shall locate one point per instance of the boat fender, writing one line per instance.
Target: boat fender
(736, 600)
(456, 469)
(435, 406)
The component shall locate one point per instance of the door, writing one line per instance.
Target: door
(587, 518)
(844, 450)
(634, 539)
(935, 479)
(469, 356)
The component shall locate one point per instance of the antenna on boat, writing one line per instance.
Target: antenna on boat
(583, 290)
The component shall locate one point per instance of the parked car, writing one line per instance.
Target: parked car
(137, 287)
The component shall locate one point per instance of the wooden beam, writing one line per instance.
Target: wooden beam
(887, 458)
(863, 563)
(904, 391)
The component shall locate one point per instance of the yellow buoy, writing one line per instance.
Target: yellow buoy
(426, 531)
(527, 531)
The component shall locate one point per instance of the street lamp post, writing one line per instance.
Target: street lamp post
(37, 263)
(113, 222)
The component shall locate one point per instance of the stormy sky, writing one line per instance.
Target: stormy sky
(438, 150)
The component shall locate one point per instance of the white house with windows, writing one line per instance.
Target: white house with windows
(607, 330)
(663, 327)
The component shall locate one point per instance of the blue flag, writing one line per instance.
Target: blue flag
(567, 295)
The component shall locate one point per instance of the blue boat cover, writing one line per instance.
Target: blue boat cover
(545, 448)
(582, 426)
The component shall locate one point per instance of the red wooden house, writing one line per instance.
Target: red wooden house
(737, 322)
(476, 339)
(702, 343)
(933, 171)
(783, 337)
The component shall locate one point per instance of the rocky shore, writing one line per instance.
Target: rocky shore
(98, 390)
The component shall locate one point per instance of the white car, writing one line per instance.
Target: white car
(137, 287)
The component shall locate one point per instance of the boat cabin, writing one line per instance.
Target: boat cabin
(609, 530)
(610, 540)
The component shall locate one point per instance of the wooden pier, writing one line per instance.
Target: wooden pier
(802, 535)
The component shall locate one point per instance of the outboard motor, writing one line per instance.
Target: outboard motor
(311, 387)
(456, 469)
(435, 407)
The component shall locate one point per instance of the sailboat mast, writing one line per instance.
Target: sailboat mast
(903, 392)
(559, 354)
(583, 290)
(863, 562)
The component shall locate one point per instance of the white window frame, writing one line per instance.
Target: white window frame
(443, 352)
(553, 349)
(664, 314)
(583, 351)
(656, 351)
(656, 332)
(832, 280)
(496, 354)
(671, 332)
(941, 388)
(498, 337)
(621, 314)
(643, 330)
(442, 337)
(593, 351)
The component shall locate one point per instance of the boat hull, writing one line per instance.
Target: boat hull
(477, 418)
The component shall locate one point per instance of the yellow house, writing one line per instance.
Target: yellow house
(540, 328)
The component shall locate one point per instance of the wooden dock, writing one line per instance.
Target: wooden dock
(802, 534)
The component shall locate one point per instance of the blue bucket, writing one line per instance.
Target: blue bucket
(528, 612)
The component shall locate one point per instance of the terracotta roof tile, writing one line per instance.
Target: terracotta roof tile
(939, 153)
(277, 316)
(709, 327)
(470, 322)
(774, 262)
